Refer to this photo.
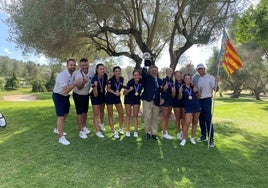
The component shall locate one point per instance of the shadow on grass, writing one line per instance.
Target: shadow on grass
(33, 157)
(265, 108)
(233, 100)
(264, 105)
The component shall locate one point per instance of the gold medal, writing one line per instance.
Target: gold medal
(117, 91)
(190, 97)
(136, 87)
(101, 90)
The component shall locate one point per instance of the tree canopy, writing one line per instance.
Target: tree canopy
(93, 29)
(248, 32)
(252, 26)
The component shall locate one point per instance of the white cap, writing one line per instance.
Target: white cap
(200, 66)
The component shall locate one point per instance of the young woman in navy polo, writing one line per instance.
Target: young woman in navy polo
(168, 87)
(97, 97)
(189, 94)
(114, 87)
(178, 104)
(132, 99)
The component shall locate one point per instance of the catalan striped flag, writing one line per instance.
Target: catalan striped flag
(230, 59)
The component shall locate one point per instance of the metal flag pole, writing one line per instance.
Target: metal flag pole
(213, 103)
(221, 54)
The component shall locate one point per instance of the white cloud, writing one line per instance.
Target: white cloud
(42, 59)
(7, 51)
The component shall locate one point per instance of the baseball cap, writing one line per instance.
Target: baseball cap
(200, 66)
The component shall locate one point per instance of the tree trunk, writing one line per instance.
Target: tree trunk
(236, 93)
(138, 64)
(257, 95)
(176, 54)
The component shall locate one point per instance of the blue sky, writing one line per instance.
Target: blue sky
(10, 49)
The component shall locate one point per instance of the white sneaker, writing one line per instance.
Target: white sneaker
(102, 127)
(115, 135)
(86, 130)
(99, 134)
(136, 134)
(183, 142)
(64, 141)
(56, 131)
(127, 134)
(162, 132)
(179, 135)
(121, 131)
(167, 136)
(83, 135)
(192, 141)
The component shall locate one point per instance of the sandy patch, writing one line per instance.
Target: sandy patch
(20, 97)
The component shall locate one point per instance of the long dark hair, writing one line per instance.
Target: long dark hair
(97, 66)
(116, 67)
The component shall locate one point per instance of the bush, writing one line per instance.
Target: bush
(1, 84)
(50, 84)
(38, 85)
(13, 82)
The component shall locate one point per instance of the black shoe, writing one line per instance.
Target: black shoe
(154, 137)
(201, 139)
(148, 136)
(211, 144)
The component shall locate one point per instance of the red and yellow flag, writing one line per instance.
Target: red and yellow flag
(230, 61)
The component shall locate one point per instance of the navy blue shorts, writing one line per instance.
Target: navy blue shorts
(100, 99)
(112, 99)
(167, 100)
(134, 102)
(81, 103)
(192, 107)
(167, 103)
(62, 104)
(176, 103)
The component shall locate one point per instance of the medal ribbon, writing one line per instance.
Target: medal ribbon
(117, 86)
(101, 83)
(189, 92)
(136, 88)
(170, 83)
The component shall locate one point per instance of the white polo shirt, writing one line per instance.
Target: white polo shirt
(207, 83)
(63, 79)
(79, 75)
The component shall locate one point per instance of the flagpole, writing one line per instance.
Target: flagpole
(221, 53)
(228, 50)
(213, 103)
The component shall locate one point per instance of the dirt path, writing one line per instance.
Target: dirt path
(19, 97)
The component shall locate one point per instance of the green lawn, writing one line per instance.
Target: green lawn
(32, 157)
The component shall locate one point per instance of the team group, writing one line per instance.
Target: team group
(190, 98)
